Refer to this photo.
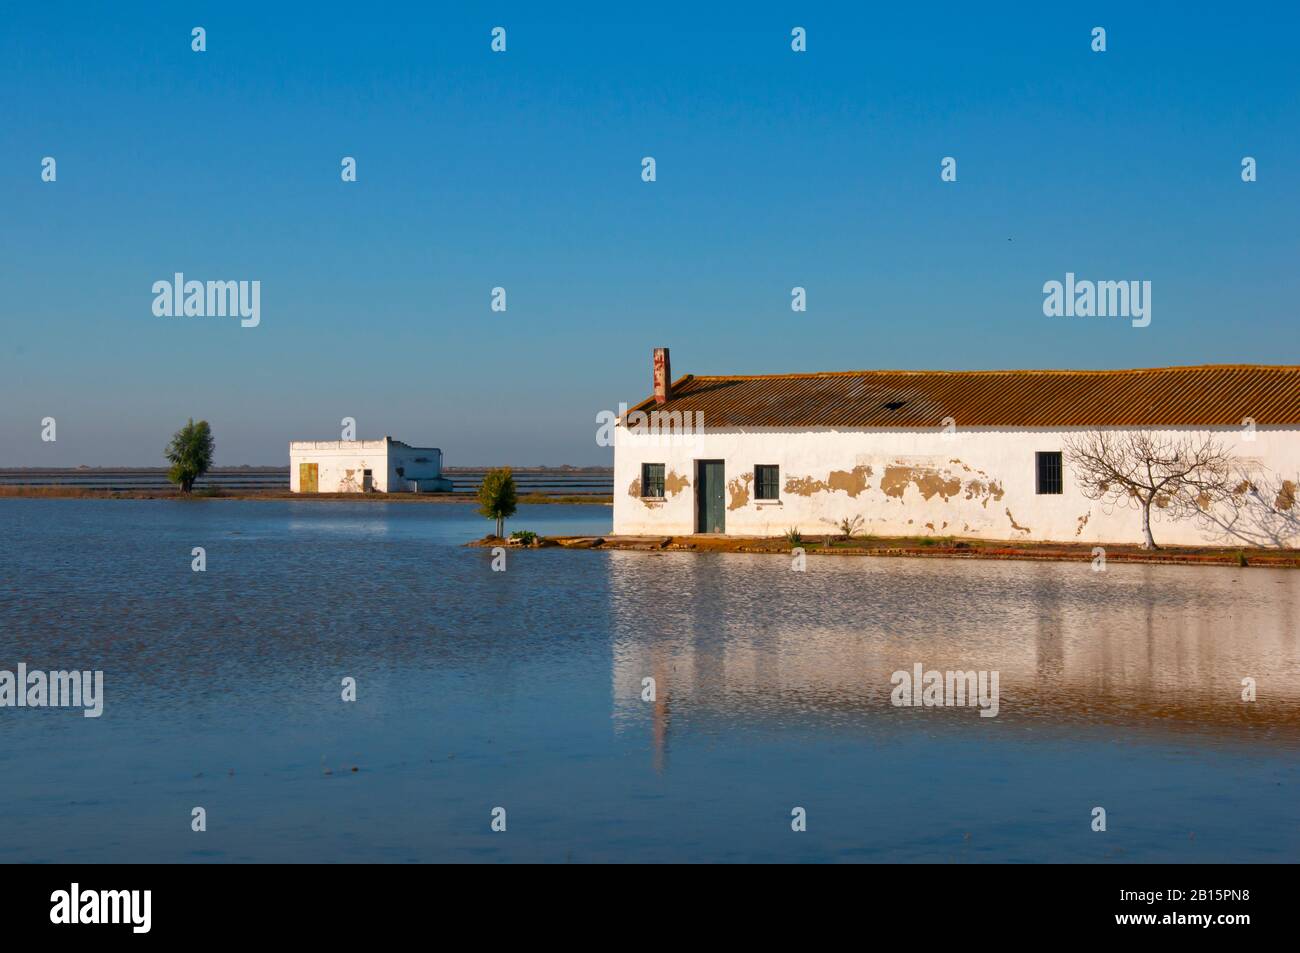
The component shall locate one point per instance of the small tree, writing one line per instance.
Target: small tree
(1183, 476)
(497, 497)
(190, 454)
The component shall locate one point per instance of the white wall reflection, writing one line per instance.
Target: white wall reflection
(743, 640)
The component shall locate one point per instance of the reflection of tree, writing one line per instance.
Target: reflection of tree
(1262, 513)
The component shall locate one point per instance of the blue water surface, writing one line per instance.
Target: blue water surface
(523, 689)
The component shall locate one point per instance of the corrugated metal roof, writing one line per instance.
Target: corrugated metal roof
(1212, 395)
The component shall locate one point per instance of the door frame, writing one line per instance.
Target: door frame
(702, 495)
(304, 469)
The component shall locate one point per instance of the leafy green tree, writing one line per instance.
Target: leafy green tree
(497, 497)
(190, 454)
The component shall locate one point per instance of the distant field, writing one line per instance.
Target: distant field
(560, 481)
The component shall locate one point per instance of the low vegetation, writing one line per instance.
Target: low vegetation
(848, 527)
(931, 546)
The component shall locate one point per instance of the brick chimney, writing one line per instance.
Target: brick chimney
(663, 376)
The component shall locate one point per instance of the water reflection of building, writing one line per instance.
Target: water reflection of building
(742, 639)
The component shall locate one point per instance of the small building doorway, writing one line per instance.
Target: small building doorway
(308, 477)
(710, 511)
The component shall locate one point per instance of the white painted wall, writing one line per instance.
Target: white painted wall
(416, 463)
(925, 505)
(342, 464)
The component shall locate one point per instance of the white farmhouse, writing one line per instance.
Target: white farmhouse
(976, 454)
(364, 466)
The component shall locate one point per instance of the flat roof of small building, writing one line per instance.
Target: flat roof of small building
(357, 445)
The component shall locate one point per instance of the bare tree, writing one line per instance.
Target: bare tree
(1182, 476)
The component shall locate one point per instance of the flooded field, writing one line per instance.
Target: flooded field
(527, 690)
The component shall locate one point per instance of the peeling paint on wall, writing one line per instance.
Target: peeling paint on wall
(674, 484)
(1015, 525)
(739, 488)
(1285, 496)
(984, 491)
(928, 481)
(634, 491)
(1082, 521)
(851, 482)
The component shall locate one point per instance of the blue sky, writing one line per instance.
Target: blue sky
(522, 170)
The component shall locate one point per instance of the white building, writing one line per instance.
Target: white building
(364, 466)
(975, 454)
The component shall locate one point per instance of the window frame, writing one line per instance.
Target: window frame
(1042, 486)
(776, 483)
(646, 483)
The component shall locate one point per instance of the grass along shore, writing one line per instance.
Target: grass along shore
(923, 547)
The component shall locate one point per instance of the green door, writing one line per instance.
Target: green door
(710, 509)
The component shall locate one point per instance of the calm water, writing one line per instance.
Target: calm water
(522, 689)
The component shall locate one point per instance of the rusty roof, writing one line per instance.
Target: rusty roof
(1211, 395)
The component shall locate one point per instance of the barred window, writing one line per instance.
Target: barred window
(767, 482)
(1049, 472)
(652, 479)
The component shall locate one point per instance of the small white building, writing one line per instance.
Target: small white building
(364, 466)
(976, 454)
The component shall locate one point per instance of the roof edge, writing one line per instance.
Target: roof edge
(990, 373)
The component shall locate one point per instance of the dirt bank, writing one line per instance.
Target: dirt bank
(924, 547)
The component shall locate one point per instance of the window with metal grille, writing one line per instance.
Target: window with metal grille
(767, 482)
(652, 479)
(1049, 472)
